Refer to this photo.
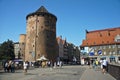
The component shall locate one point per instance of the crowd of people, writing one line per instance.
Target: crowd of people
(98, 63)
(9, 66)
(48, 63)
(42, 64)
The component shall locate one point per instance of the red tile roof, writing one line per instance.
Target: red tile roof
(101, 37)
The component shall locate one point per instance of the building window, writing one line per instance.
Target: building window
(96, 53)
(104, 47)
(38, 55)
(100, 34)
(113, 46)
(22, 43)
(22, 55)
(118, 40)
(33, 45)
(109, 46)
(95, 48)
(100, 47)
(104, 53)
(47, 36)
(42, 15)
(110, 53)
(118, 46)
(28, 37)
(113, 52)
(36, 36)
(33, 27)
(41, 26)
(109, 34)
(102, 41)
(119, 52)
(47, 23)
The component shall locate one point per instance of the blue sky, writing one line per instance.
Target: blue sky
(73, 17)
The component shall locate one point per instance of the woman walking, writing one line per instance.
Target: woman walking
(25, 67)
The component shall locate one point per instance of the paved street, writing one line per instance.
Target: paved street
(65, 73)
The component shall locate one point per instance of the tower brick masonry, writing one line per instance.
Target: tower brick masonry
(41, 35)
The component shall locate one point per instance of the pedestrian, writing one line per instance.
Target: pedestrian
(25, 67)
(96, 64)
(12, 67)
(9, 65)
(89, 63)
(101, 64)
(5, 66)
(51, 64)
(61, 64)
(43, 64)
(104, 66)
(55, 65)
(48, 63)
(58, 63)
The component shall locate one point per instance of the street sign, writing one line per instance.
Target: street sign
(91, 53)
(99, 52)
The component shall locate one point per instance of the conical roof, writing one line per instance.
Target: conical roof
(42, 9)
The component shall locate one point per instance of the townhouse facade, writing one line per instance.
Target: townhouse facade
(103, 43)
(68, 52)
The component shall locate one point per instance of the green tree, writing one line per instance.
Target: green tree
(7, 50)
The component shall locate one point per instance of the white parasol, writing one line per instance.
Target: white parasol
(42, 58)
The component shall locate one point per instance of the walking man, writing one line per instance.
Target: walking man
(104, 66)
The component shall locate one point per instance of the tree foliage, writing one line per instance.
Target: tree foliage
(7, 50)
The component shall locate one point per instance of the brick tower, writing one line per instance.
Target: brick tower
(41, 35)
(22, 45)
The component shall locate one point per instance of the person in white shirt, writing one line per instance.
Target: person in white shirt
(101, 64)
(25, 67)
(104, 63)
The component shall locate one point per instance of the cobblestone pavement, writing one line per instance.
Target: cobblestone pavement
(65, 73)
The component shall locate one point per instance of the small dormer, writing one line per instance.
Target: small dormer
(117, 38)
